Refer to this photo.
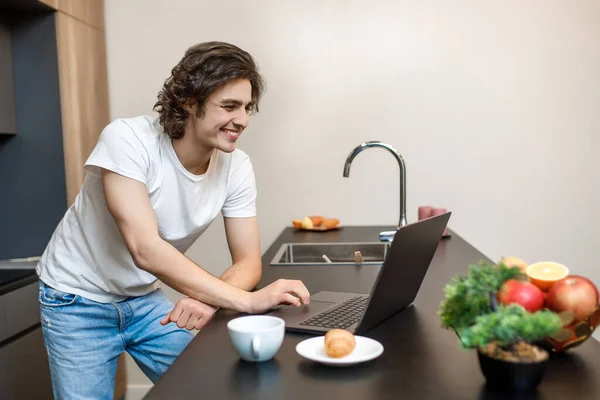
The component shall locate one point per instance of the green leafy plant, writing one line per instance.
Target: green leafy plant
(471, 310)
(469, 296)
(510, 324)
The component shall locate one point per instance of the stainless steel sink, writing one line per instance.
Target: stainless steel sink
(372, 253)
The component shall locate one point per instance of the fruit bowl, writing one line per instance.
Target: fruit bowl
(573, 297)
(572, 334)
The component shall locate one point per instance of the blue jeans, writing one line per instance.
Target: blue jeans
(84, 339)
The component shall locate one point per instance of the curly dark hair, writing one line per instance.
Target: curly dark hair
(204, 68)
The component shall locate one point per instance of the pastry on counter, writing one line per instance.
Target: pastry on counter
(330, 222)
(339, 343)
(316, 223)
(316, 219)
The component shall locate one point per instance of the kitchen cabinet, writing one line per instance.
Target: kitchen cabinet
(24, 370)
(32, 165)
(84, 94)
(83, 81)
(21, 311)
(7, 94)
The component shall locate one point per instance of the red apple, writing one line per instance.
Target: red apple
(523, 293)
(573, 293)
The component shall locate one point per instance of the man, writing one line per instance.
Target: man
(153, 185)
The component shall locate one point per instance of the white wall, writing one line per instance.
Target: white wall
(595, 206)
(493, 106)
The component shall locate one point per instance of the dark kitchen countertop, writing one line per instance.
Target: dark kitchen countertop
(420, 361)
(14, 275)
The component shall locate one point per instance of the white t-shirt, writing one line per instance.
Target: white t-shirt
(86, 254)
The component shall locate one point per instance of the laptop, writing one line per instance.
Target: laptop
(396, 287)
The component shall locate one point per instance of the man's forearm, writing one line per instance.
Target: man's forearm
(244, 274)
(177, 271)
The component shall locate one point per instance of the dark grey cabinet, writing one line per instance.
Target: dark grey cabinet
(24, 370)
(19, 311)
(8, 124)
(32, 165)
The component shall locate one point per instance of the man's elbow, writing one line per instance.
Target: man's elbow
(257, 272)
(143, 253)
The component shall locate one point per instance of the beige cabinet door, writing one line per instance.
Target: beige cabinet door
(83, 91)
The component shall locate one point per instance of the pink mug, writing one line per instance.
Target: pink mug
(428, 211)
(425, 212)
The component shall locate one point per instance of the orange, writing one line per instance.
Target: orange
(515, 262)
(544, 274)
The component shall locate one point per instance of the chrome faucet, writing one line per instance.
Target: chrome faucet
(386, 236)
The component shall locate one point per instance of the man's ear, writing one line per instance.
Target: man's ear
(190, 107)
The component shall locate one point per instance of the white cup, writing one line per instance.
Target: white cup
(256, 337)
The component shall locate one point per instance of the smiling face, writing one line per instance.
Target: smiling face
(226, 114)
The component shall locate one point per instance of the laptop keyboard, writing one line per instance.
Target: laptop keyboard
(348, 313)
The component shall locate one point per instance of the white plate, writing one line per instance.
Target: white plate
(314, 349)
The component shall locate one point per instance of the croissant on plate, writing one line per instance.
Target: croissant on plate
(339, 343)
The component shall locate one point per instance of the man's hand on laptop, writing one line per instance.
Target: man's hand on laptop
(279, 292)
